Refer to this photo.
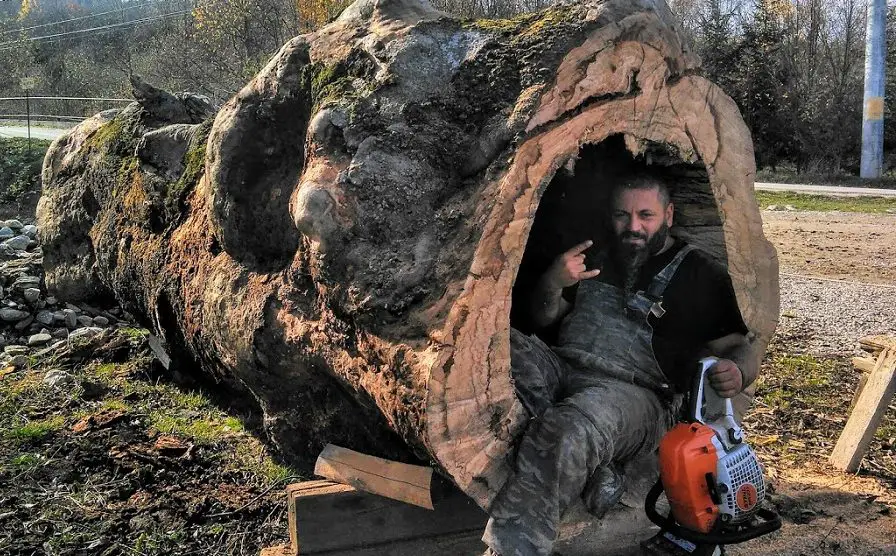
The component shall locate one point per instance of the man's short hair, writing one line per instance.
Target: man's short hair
(643, 179)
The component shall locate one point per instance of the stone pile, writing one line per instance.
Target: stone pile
(29, 318)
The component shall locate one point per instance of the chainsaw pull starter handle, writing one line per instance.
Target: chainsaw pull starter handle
(711, 409)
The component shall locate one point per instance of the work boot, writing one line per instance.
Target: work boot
(603, 490)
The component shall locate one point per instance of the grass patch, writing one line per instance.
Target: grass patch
(789, 175)
(207, 430)
(825, 203)
(252, 457)
(24, 462)
(35, 431)
(135, 335)
(797, 381)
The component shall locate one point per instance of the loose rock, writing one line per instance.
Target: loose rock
(6, 232)
(71, 319)
(57, 378)
(15, 349)
(15, 224)
(39, 339)
(30, 231)
(19, 361)
(84, 320)
(12, 315)
(45, 317)
(24, 323)
(100, 321)
(18, 243)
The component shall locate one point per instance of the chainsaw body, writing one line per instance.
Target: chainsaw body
(712, 479)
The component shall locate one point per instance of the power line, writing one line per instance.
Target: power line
(80, 18)
(90, 31)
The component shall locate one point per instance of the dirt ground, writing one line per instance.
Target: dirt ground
(841, 245)
(803, 403)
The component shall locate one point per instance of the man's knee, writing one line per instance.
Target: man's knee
(573, 429)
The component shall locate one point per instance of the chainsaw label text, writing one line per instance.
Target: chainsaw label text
(746, 497)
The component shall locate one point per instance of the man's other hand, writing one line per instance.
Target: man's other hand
(569, 268)
(726, 379)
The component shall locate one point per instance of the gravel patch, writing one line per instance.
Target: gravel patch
(830, 316)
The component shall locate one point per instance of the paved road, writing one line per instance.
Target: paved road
(45, 133)
(827, 190)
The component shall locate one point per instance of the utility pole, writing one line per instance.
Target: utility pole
(873, 114)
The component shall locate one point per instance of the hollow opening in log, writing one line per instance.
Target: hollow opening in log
(574, 208)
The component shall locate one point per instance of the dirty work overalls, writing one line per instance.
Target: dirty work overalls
(597, 399)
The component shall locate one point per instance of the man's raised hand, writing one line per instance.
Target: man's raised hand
(569, 268)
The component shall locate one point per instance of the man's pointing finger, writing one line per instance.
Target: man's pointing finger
(578, 249)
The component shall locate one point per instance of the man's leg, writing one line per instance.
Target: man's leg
(538, 372)
(609, 420)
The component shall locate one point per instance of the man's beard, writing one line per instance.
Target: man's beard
(630, 257)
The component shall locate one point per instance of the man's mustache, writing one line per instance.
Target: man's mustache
(633, 235)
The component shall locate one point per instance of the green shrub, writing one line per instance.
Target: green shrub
(20, 167)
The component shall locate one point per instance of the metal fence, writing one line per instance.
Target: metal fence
(39, 108)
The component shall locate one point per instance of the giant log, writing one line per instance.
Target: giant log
(341, 243)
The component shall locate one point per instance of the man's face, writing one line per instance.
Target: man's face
(641, 220)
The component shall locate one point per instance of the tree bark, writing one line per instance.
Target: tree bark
(341, 242)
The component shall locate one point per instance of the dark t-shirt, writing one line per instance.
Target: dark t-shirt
(700, 307)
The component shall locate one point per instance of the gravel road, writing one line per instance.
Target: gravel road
(838, 277)
(832, 316)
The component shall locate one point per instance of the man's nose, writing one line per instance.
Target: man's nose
(634, 224)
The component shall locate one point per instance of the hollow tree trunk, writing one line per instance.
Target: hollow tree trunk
(341, 243)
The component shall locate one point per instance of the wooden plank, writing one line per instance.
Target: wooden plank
(863, 381)
(399, 481)
(876, 344)
(330, 517)
(307, 488)
(866, 416)
(864, 364)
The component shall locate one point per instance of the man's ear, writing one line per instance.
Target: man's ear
(670, 211)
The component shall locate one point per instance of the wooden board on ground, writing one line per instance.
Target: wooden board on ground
(399, 481)
(876, 344)
(334, 518)
(866, 416)
(864, 364)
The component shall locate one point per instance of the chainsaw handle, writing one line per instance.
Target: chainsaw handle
(771, 522)
(716, 405)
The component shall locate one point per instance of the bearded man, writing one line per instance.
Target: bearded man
(631, 333)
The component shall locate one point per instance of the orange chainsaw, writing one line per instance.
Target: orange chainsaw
(712, 479)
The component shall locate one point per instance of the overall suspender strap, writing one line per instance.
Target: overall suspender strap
(661, 281)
